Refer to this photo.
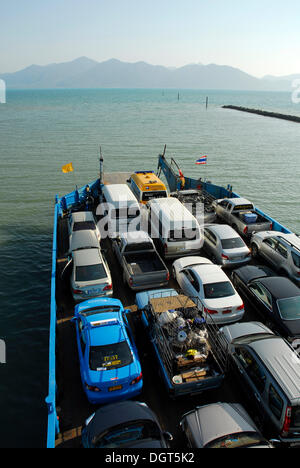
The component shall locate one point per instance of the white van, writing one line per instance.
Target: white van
(119, 210)
(174, 228)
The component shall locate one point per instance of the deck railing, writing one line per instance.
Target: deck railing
(53, 427)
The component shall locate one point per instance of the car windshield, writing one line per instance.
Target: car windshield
(217, 290)
(125, 213)
(90, 273)
(289, 308)
(234, 243)
(110, 356)
(125, 435)
(82, 225)
(151, 195)
(239, 440)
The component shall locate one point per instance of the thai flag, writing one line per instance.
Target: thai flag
(202, 160)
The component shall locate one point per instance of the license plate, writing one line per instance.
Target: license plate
(92, 292)
(113, 389)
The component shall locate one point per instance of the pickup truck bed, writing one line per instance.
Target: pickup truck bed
(143, 262)
(189, 356)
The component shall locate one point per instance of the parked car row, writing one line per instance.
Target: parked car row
(90, 273)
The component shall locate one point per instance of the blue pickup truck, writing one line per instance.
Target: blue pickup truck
(188, 350)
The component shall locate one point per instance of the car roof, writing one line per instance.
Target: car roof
(282, 362)
(87, 257)
(80, 216)
(105, 328)
(172, 208)
(120, 193)
(116, 414)
(84, 239)
(209, 273)
(216, 420)
(239, 201)
(250, 272)
(280, 287)
(292, 238)
(222, 230)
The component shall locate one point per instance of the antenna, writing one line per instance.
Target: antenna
(101, 166)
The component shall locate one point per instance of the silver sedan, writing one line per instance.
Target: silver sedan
(225, 246)
(222, 425)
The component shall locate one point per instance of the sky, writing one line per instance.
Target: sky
(259, 36)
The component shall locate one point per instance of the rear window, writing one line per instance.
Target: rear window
(125, 435)
(110, 357)
(296, 259)
(217, 290)
(234, 243)
(238, 440)
(156, 194)
(139, 246)
(187, 234)
(289, 308)
(243, 208)
(90, 273)
(295, 422)
(82, 225)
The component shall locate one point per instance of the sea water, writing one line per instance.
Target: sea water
(42, 130)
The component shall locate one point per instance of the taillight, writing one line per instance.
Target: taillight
(108, 287)
(210, 311)
(225, 257)
(287, 422)
(137, 379)
(271, 227)
(77, 291)
(130, 281)
(245, 230)
(92, 389)
(298, 273)
(168, 276)
(166, 248)
(241, 307)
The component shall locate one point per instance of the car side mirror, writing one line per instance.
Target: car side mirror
(168, 436)
(74, 319)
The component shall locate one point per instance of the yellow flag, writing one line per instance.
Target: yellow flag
(67, 168)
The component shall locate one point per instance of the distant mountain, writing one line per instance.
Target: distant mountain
(86, 73)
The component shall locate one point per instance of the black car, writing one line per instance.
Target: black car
(127, 424)
(276, 298)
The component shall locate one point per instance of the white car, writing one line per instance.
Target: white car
(82, 220)
(90, 276)
(225, 246)
(200, 279)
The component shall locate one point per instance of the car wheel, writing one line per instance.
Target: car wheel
(174, 273)
(254, 251)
